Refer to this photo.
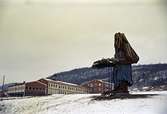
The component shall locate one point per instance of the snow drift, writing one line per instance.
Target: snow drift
(84, 104)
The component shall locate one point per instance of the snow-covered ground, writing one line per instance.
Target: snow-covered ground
(83, 104)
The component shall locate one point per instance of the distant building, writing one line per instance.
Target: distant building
(1, 93)
(17, 89)
(97, 86)
(44, 87)
(60, 87)
(34, 88)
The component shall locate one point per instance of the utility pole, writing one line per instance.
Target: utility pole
(24, 89)
(3, 82)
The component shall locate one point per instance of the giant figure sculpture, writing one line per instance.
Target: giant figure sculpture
(124, 57)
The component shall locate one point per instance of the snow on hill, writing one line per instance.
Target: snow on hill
(83, 104)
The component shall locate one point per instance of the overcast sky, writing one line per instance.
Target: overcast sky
(42, 37)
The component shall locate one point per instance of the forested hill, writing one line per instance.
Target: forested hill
(143, 75)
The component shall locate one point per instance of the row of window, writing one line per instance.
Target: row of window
(27, 88)
(94, 84)
(16, 87)
(58, 91)
(64, 87)
(98, 84)
(33, 88)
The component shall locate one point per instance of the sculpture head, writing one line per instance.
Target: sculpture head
(120, 40)
(121, 44)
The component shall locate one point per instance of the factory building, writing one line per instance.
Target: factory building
(60, 87)
(44, 87)
(97, 86)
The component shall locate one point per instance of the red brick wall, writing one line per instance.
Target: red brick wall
(96, 86)
(35, 89)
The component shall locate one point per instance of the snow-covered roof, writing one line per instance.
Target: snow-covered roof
(61, 82)
(67, 83)
(36, 82)
(96, 80)
(16, 84)
(48, 79)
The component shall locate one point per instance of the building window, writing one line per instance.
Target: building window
(91, 85)
(99, 89)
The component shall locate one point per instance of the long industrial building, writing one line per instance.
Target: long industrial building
(60, 87)
(45, 87)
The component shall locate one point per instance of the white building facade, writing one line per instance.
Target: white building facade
(59, 87)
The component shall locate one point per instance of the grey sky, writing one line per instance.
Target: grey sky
(40, 37)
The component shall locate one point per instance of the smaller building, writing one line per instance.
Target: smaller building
(97, 86)
(17, 89)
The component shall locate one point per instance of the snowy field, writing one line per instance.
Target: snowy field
(83, 104)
